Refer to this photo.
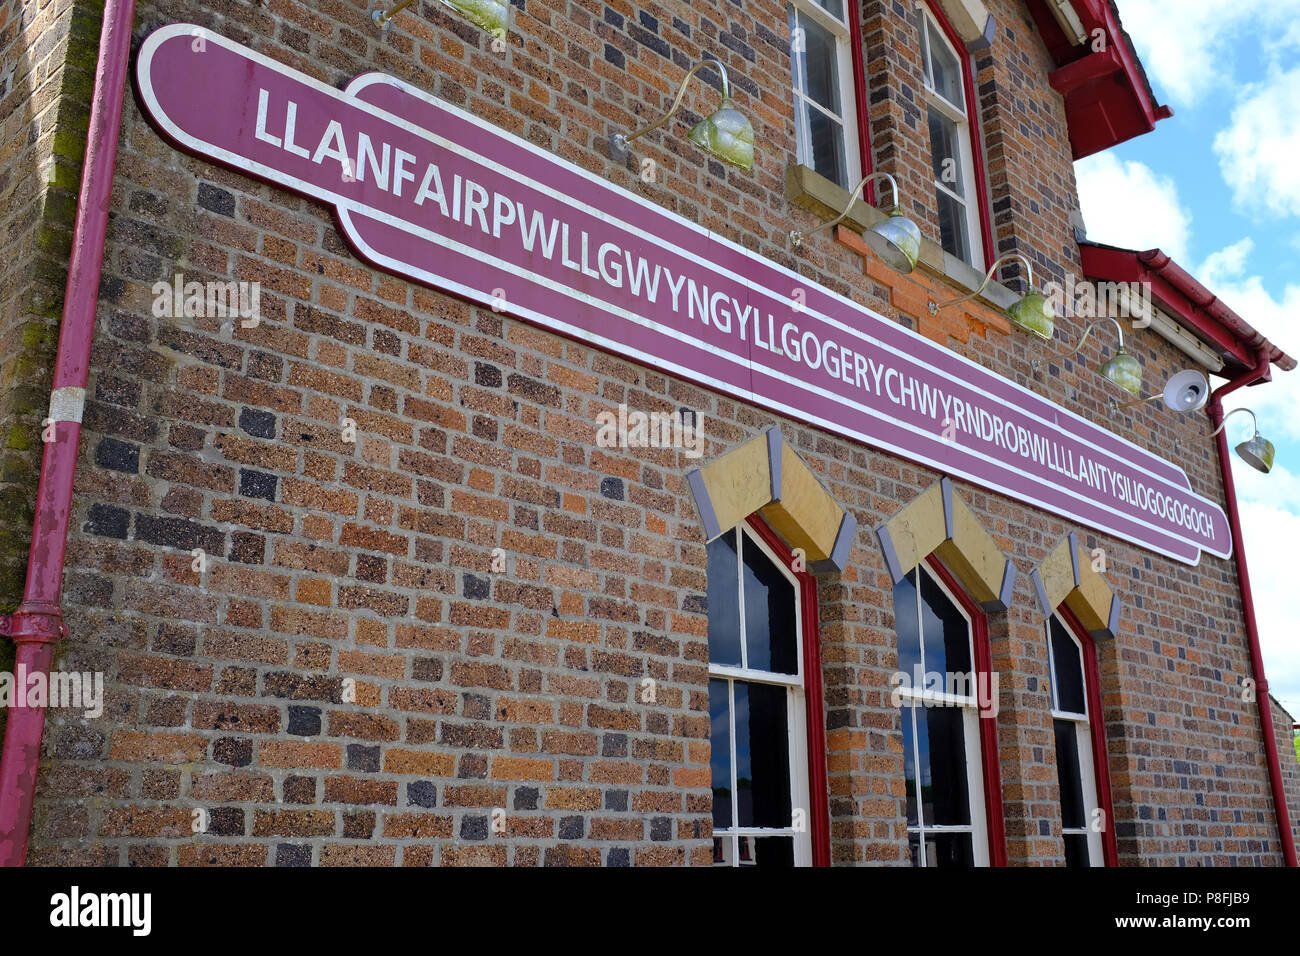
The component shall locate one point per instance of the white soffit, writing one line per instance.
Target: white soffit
(1069, 20)
(970, 18)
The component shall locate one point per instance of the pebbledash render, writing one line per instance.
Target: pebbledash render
(382, 571)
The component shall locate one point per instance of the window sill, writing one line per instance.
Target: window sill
(809, 190)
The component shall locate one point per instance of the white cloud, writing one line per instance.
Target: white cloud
(1257, 149)
(1187, 47)
(1270, 534)
(1276, 403)
(1127, 204)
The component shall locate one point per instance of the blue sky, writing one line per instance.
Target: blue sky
(1218, 188)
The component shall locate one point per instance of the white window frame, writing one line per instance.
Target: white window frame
(796, 718)
(978, 827)
(848, 115)
(1083, 741)
(958, 113)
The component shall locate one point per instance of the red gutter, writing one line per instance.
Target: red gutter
(1193, 305)
(38, 625)
(1258, 373)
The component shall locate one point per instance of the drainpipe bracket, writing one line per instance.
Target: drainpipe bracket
(35, 623)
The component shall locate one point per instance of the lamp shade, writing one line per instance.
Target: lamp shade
(902, 241)
(1258, 453)
(1125, 371)
(1034, 314)
(490, 15)
(727, 134)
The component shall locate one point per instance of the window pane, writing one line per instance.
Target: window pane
(941, 750)
(945, 70)
(821, 72)
(909, 764)
(770, 637)
(1076, 851)
(953, 234)
(834, 7)
(777, 852)
(720, 757)
(724, 601)
(946, 633)
(952, 850)
(762, 756)
(1067, 773)
(906, 624)
(914, 848)
(826, 140)
(1068, 688)
(945, 150)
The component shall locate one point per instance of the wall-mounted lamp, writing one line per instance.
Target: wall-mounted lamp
(902, 237)
(726, 134)
(1186, 391)
(491, 15)
(1258, 451)
(1122, 368)
(1033, 312)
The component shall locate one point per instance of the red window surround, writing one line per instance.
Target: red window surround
(1097, 729)
(976, 136)
(972, 113)
(819, 812)
(988, 724)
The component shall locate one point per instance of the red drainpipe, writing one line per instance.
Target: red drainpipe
(1248, 607)
(38, 625)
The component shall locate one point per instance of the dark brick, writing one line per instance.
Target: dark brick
(118, 455)
(571, 828)
(179, 533)
(257, 423)
(474, 828)
(526, 798)
(612, 488)
(476, 587)
(233, 751)
(661, 828)
(422, 793)
(304, 721)
(107, 521)
(618, 856)
(616, 800)
(216, 200)
(292, 854)
(256, 484)
(363, 758)
(300, 790)
(226, 821)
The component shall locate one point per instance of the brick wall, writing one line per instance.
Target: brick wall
(47, 63)
(349, 681)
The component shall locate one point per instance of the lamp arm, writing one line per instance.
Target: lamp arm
(681, 93)
(1071, 353)
(1253, 420)
(857, 192)
(383, 16)
(989, 278)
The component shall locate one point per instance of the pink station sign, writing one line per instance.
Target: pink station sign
(431, 193)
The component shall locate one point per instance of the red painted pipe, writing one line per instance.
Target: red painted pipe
(1248, 608)
(37, 625)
